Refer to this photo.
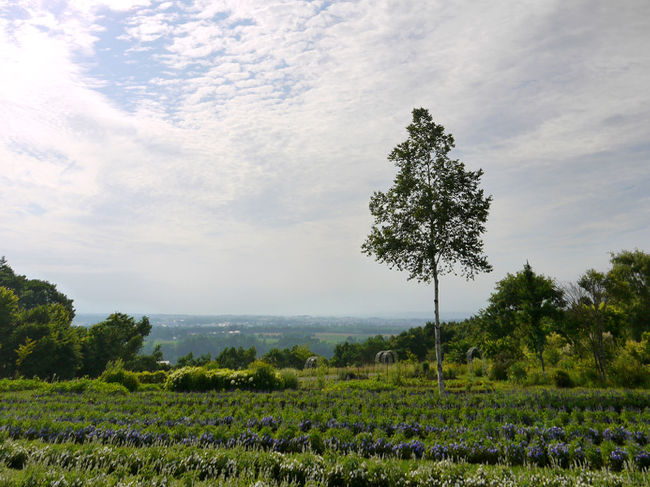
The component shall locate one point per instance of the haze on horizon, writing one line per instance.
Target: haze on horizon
(213, 157)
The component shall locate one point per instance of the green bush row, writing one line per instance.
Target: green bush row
(74, 385)
(258, 377)
(157, 377)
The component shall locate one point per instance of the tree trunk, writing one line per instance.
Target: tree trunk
(441, 381)
(600, 362)
(541, 359)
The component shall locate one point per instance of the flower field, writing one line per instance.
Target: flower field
(407, 437)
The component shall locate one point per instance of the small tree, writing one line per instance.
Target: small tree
(118, 337)
(630, 289)
(524, 306)
(590, 316)
(433, 216)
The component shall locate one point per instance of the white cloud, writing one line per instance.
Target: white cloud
(241, 140)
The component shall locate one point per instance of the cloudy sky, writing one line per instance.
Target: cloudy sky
(218, 156)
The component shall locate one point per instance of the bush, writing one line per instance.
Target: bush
(448, 372)
(499, 370)
(264, 376)
(478, 367)
(115, 373)
(537, 378)
(89, 385)
(157, 377)
(186, 379)
(517, 373)
(10, 385)
(628, 369)
(561, 379)
(260, 377)
(289, 379)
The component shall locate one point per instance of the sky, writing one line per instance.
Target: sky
(211, 157)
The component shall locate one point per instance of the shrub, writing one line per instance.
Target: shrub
(517, 373)
(9, 385)
(260, 376)
(157, 377)
(561, 379)
(478, 367)
(537, 378)
(88, 385)
(115, 373)
(264, 376)
(289, 379)
(448, 372)
(499, 370)
(628, 369)
(185, 379)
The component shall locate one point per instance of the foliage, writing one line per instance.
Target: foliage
(157, 377)
(32, 293)
(631, 275)
(524, 306)
(591, 317)
(118, 337)
(8, 312)
(265, 377)
(561, 378)
(115, 373)
(8, 385)
(355, 433)
(24, 351)
(71, 465)
(631, 367)
(37, 338)
(294, 357)
(70, 386)
(189, 360)
(149, 362)
(517, 373)
(260, 376)
(236, 358)
(88, 387)
(38, 341)
(289, 379)
(433, 216)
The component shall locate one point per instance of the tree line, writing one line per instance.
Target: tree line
(37, 337)
(597, 328)
(240, 358)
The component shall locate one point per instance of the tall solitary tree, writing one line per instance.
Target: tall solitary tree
(432, 218)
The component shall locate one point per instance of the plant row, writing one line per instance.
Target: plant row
(68, 465)
(556, 453)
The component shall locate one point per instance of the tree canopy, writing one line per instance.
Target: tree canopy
(630, 275)
(37, 337)
(525, 306)
(32, 292)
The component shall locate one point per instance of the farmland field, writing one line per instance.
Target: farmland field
(331, 437)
